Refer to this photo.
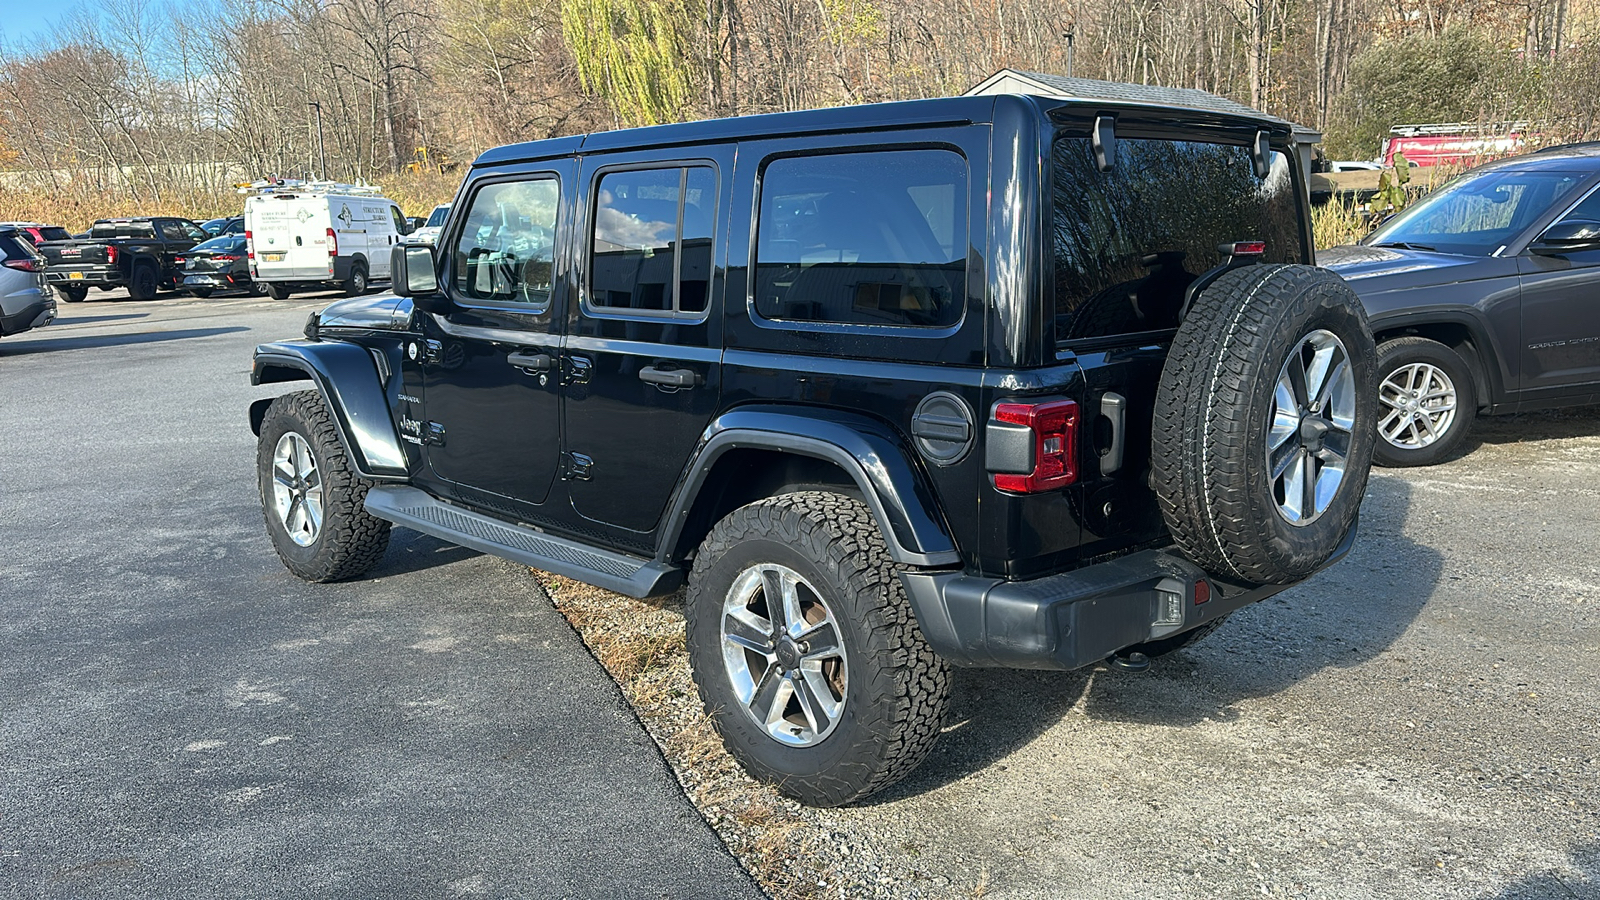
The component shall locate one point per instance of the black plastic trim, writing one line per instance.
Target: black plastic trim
(347, 378)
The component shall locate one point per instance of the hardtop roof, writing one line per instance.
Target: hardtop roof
(965, 110)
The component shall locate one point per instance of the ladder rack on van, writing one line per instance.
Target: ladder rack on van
(300, 186)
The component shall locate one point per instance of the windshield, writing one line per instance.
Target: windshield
(437, 217)
(1478, 213)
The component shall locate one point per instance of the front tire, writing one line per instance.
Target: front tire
(806, 653)
(278, 291)
(202, 293)
(72, 294)
(1426, 403)
(312, 500)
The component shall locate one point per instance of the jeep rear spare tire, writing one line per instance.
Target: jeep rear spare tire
(1265, 423)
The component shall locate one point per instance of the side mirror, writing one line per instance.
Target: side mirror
(413, 274)
(1568, 236)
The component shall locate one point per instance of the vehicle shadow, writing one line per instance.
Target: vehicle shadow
(1343, 617)
(84, 320)
(412, 551)
(1549, 883)
(1549, 424)
(23, 348)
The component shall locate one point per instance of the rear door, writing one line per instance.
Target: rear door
(489, 416)
(642, 361)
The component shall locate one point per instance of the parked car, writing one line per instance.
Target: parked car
(220, 264)
(430, 229)
(313, 235)
(983, 381)
(137, 253)
(26, 300)
(35, 233)
(229, 225)
(1482, 299)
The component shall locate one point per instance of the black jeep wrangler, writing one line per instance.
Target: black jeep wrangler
(983, 381)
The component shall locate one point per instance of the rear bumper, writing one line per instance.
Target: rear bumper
(218, 280)
(1077, 618)
(35, 313)
(86, 276)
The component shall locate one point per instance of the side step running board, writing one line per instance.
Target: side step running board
(613, 571)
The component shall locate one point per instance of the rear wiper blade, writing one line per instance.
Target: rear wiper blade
(1406, 245)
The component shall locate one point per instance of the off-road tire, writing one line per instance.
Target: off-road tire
(356, 284)
(144, 283)
(898, 690)
(351, 540)
(1400, 352)
(278, 291)
(72, 294)
(1212, 417)
(202, 293)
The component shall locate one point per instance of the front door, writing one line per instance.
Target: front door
(491, 382)
(1561, 316)
(644, 347)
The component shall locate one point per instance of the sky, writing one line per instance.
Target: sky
(23, 20)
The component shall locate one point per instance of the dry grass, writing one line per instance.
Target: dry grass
(1338, 222)
(641, 643)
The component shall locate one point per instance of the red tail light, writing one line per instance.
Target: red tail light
(179, 260)
(333, 243)
(25, 264)
(1054, 426)
(111, 256)
(249, 246)
(225, 257)
(1248, 248)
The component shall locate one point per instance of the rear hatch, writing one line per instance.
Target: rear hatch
(217, 256)
(289, 236)
(1125, 245)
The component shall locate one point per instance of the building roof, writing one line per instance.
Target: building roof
(1015, 81)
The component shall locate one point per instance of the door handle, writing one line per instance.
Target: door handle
(1115, 408)
(530, 362)
(678, 378)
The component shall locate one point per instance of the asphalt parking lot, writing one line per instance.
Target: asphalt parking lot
(183, 718)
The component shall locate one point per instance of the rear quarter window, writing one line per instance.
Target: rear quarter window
(866, 238)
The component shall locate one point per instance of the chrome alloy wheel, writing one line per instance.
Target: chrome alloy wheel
(1419, 402)
(297, 489)
(1308, 442)
(783, 653)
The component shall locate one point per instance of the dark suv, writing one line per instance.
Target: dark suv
(990, 381)
(1483, 299)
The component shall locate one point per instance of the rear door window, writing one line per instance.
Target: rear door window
(871, 238)
(1128, 242)
(651, 250)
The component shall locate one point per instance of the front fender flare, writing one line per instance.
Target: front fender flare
(865, 449)
(347, 378)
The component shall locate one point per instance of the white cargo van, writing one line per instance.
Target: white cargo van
(305, 235)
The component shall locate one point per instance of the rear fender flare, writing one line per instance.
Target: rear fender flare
(864, 449)
(347, 379)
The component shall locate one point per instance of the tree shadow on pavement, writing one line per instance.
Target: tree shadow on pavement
(1342, 617)
(23, 348)
(1550, 424)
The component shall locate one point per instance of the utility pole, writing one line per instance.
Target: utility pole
(321, 154)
